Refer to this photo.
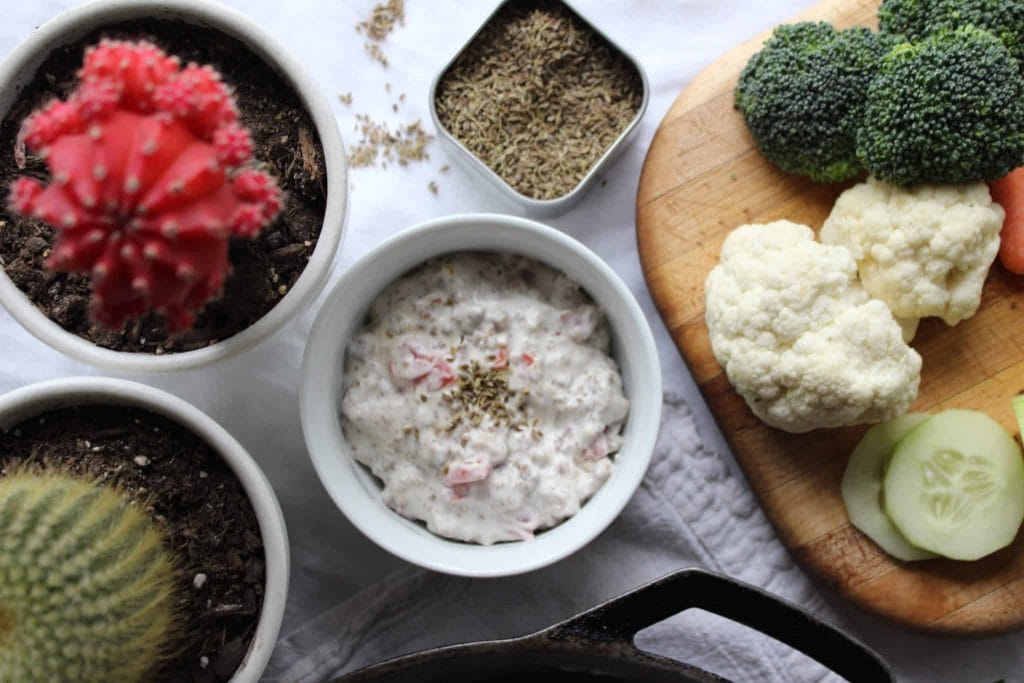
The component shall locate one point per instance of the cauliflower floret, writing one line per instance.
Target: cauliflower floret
(925, 250)
(799, 338)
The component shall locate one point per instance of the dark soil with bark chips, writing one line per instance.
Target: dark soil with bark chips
(205, 514)
(264, 269)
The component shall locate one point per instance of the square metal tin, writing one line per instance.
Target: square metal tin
(537, 207)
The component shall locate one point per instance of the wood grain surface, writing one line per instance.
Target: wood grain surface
(703, 177)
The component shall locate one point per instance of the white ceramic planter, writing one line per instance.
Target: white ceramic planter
(20, 68)
(35, 399)
(354, 489)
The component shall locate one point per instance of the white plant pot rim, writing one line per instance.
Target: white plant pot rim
(20, 66)
(25, 403)
(356, 492)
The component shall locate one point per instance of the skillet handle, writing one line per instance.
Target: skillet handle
(620, 619)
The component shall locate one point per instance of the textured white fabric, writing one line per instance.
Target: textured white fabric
(694, 508)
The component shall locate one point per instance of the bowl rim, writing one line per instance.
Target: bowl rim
(34, 399)
(351, 487)
(563, 203)
(19, 66)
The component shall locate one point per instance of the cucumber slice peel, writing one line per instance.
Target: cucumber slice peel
(955, 486)
(862, 486)
(1018, 411)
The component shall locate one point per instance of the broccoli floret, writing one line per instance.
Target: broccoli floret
(908, 18)
(802, 97)
(949, 109)
(918, 19)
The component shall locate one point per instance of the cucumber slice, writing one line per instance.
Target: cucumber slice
(955, 486)
(1018, 411)
(862, 486)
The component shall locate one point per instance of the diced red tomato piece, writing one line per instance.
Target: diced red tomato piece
(528, 359)
(598, 449)
(522, 533)
(501, 358)
(466, 473)
(419, 366)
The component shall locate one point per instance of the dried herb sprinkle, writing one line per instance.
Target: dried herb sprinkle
(481, 392)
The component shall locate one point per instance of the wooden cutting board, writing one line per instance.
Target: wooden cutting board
(703, 177)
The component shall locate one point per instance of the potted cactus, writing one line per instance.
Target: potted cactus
(146, 183)
(101, 568)
(176, 184)
(138, 541)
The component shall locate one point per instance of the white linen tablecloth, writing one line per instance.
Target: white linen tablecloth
(694, 507)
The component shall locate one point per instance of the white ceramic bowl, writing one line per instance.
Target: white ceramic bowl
(358, 493)
(19, 69)
(35, 399)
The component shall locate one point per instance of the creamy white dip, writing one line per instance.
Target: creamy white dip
(481, 393)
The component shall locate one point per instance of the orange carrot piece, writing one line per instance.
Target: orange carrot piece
(1009, 193)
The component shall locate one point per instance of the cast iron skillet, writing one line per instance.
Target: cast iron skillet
(597, 646)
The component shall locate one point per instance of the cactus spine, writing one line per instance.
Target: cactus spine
(86, 587)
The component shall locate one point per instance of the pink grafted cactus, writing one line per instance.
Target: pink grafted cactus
(147, 185)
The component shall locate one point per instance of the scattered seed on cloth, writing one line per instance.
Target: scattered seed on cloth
(379, 25)
(381, 144)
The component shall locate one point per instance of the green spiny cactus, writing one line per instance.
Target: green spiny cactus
(86, 587)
